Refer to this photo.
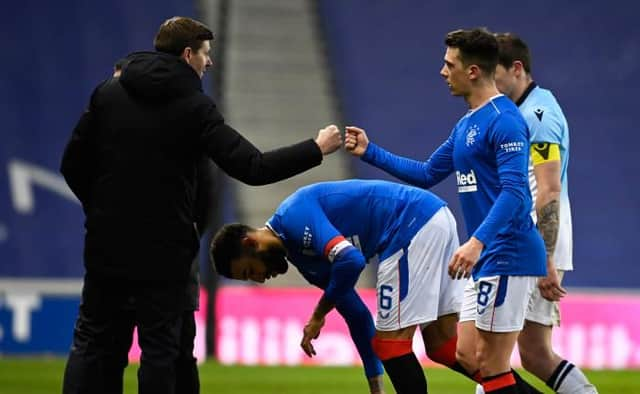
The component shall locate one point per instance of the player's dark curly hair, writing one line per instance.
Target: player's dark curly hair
(477, 46)
(512, 48)
(226, 246)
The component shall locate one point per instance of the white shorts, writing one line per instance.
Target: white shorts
(413, 286)
(497, 303)
(542, 311)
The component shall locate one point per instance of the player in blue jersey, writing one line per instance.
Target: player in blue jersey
(549, 136)
(329, 231)
(488, 149)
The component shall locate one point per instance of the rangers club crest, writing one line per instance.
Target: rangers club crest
(471, 134)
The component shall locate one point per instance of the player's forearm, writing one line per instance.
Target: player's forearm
(548, 180)
(545, 195)
(514, 188)
(411, 171)
(362, 330)
(323, 308)
(376, 385)
(499, 214)
(549, 223)
(551, 266)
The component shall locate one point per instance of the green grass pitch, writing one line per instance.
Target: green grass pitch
(44, 375)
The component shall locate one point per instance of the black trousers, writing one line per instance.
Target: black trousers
(103, 334)
(187, 377)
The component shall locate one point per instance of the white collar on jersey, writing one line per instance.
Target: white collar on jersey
(471, 111)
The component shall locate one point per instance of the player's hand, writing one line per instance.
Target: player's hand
(549, 286)
(355, 141)
(329, 139)
(465, 258)
(310, 332)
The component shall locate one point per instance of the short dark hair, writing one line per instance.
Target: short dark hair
(477, 46)
(180, 32)
(512, 48)
(226, 246)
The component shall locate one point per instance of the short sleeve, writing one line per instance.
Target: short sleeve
(544, 124)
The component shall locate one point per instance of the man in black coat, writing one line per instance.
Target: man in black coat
(132, 162)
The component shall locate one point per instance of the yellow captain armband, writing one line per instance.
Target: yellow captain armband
(544, 152)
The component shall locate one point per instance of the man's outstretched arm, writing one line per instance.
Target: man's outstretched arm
(424, 174)
(362, 330)
(239, 158)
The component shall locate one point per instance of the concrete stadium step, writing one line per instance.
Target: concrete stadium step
(277, 91)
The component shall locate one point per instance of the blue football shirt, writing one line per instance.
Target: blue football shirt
(377, 217)
(488, 149)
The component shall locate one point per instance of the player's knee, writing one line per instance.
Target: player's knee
(387, 349)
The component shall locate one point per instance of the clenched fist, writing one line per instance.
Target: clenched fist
(355, 141)
(329, 139)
